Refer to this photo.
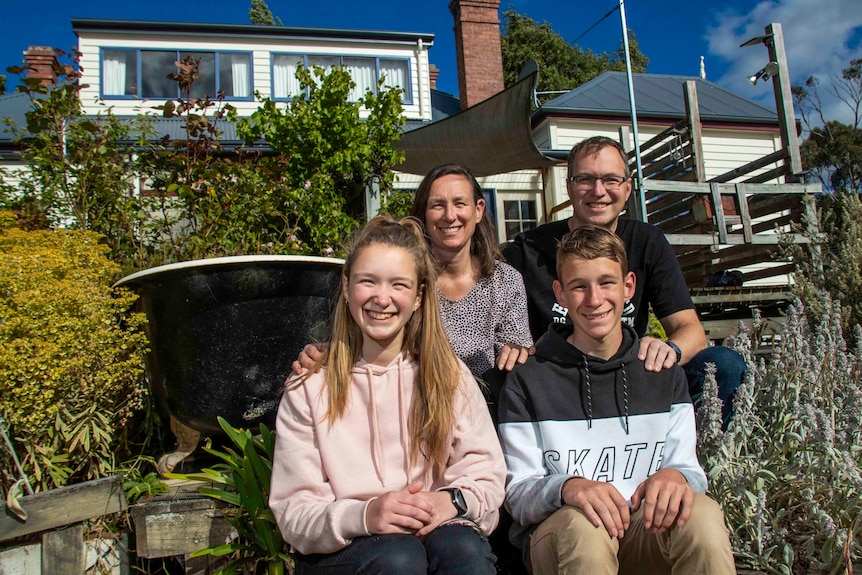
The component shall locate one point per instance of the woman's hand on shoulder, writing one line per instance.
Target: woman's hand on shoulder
(404, 511)
(513, 354)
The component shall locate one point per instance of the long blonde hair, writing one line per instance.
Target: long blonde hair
(432, 411)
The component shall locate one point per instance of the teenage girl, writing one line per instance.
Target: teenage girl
(386, 460)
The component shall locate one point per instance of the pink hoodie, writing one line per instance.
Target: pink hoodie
(324, 475)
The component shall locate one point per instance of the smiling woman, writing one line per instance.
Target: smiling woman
(482, 299)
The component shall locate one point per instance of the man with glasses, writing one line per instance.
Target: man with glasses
(599, 184)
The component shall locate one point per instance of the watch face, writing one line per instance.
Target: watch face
(459, 502)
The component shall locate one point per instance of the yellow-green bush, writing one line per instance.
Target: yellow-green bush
(71, 355)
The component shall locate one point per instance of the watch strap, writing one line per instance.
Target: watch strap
(676, 350)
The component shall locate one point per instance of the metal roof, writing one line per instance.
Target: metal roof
(443, 105)
(656, 96)
(144, 27)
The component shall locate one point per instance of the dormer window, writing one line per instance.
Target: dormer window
(144, 74)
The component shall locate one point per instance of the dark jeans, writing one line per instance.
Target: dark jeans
(730, 369)
(453, 548)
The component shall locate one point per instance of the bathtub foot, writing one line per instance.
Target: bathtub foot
(187, 442)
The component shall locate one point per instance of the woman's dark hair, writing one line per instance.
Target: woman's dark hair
(483, 244)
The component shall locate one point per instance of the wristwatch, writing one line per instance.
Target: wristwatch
(676, 350)
(458, 501)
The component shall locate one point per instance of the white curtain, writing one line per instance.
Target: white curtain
(114, 74)
(364, 74)
(395, 72)
(239, 70)
(284, 82)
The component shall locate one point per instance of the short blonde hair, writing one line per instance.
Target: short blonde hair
(591, 242)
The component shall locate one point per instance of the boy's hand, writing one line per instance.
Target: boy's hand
(601, 502)
(667, 498)
(513, 354)
(308, 356)
(656, 354)
(401, 511)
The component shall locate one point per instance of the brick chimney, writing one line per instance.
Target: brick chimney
(433, 73)
(43, 64)
(477, 44)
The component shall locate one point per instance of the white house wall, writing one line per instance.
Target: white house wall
(262, 50)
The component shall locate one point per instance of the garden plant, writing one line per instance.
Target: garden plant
(788, 470)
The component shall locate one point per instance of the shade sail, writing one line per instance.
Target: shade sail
(492, 137)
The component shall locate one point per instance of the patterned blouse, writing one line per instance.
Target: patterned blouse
(491, 315)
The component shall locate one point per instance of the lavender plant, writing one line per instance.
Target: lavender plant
(788, 471)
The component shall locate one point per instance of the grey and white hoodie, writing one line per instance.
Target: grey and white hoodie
(565, 414)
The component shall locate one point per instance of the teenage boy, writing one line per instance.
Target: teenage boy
(599, 184)
(603, 477)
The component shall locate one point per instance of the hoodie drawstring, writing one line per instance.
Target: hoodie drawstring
(376, 448)
(590, 394)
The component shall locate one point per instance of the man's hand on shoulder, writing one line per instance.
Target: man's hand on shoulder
(308, 357)
(601, 502)
(666, 498)
(656, 354)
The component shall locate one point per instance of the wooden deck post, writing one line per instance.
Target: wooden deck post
(692, 112)
(784, 101)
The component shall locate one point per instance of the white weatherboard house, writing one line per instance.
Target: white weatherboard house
(125, 64)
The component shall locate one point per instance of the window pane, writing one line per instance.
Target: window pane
(205, 85)
(528, 210)
(324, 61)
(119, 73)
(364, 74)
(512, 230)
(512, 210)
(155, 67)
(395, 72)
(284, 82)
(234, 75)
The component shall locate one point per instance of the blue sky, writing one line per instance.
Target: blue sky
(821, 36)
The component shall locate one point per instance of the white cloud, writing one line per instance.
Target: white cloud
(820, 39)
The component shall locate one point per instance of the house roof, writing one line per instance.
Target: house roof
(656, 96)
(147, 27)
(13, 106)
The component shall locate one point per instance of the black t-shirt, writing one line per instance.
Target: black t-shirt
(659, 280)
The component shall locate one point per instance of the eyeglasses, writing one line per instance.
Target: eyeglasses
(587, 181)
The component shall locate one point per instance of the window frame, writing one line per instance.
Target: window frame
(407, 91)
(139, 72)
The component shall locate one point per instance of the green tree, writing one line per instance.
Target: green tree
(260, 14)
(833, 150)
(2, 84)
(562, 66)
(327, 152)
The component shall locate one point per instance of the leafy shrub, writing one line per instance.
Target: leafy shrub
(71, 355)
(788, 471)
(838, 269)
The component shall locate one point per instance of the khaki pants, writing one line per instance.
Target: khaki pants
(566, 543)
